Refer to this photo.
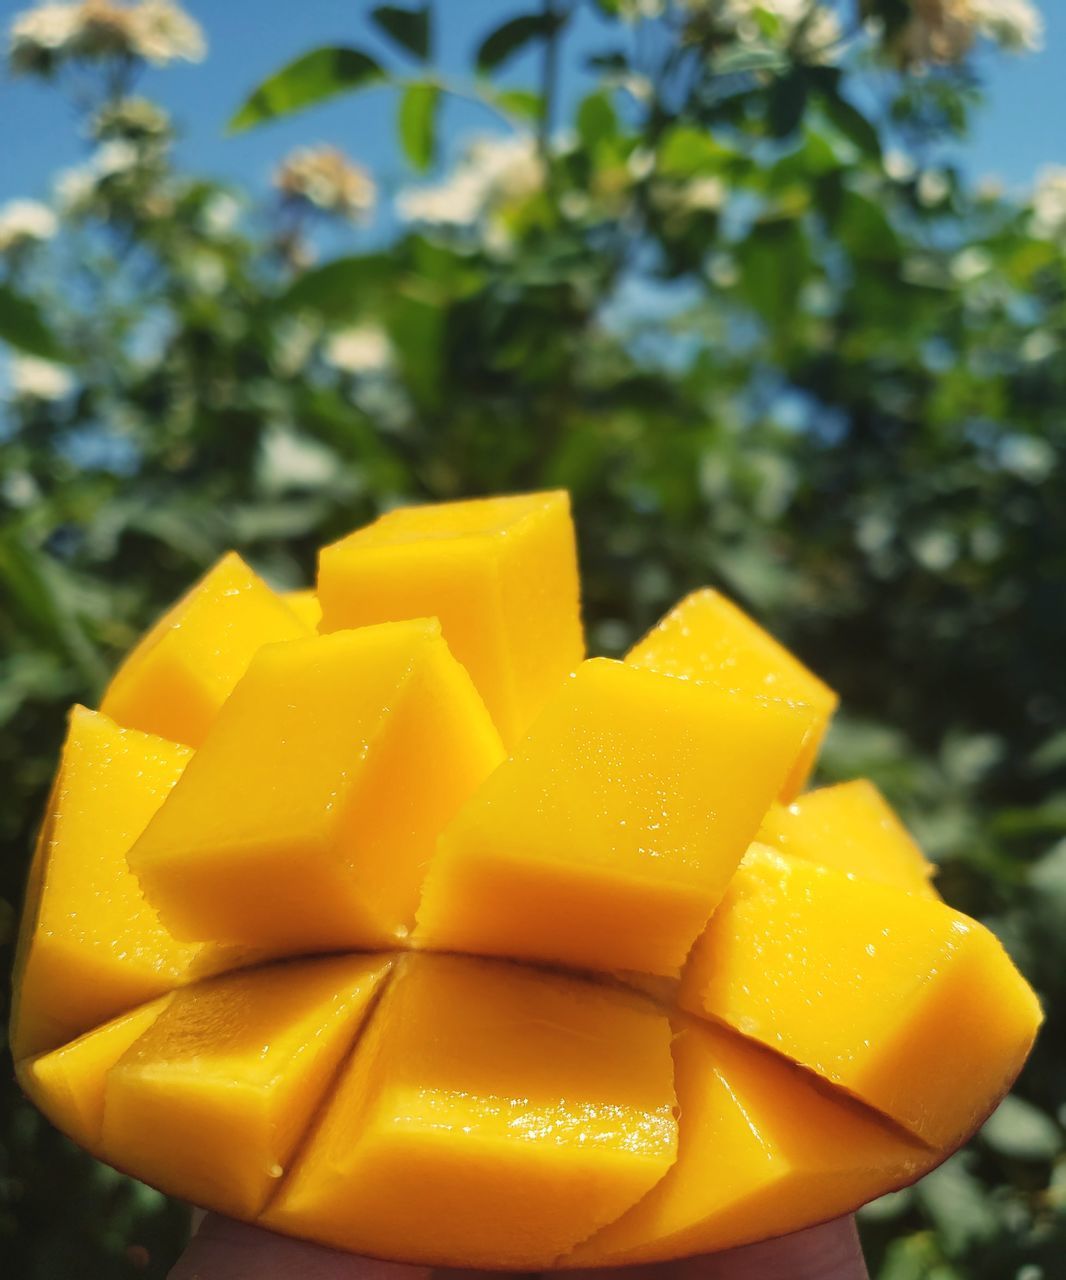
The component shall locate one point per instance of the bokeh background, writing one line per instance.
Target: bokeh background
(777, 288)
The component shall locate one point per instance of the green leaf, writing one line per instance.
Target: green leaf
(518, 102)
(340, 289)
(23, 326)
(312, 78)
(596, 119)
(852, 124)
(1022, 1131)
(742, 61)
(409, 28)
(686, 151)
(417, 123)
(510, 39)
(788, 98)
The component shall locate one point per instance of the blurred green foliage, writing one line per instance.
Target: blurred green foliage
(738, 303)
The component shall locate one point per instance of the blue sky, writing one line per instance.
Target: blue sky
(1022, 127)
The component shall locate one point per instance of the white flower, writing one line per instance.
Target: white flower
(164, 32)
(24, 221)
(1015, 25)
(37, 36)
(703, 195)
(159, 31)
(970, 263)
(457, 201)
(899, 166)
(323, 176)
(74, 188)
(220, 213)
(363, 348)
(1049, 202)
(291, 461)
(933, 187)
(116, 156)
(493, 171)
(816, 24)
(944, 31)
(34, 379)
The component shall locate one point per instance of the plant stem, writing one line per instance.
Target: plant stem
(549, 78)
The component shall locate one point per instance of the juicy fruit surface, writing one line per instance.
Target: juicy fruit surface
(574, 1015)
(499, 573)
(707, 638)
(608, 837)
(851, 828)
(186, 666)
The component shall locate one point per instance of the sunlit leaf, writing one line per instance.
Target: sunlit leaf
(417, 123)
(312, 78)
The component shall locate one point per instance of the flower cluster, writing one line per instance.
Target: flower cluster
(494, 171)
(25, 222)
(157, 31)
(1049, 203)
(944, 31)
(324, 178)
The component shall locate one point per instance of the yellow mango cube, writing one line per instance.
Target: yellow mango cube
(852, 828)
(609, 836)
(89, 946)
(707, 637)
(881, 993)
(307, 817)
(306, 607)
(211, 1101)
(763, 1150)
(491, 1116)
(181, 671)
(68, 1084)
(499, 573)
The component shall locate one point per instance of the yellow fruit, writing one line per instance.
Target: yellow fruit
(306, 607)
(185, 667)
(492, 1113)
(882, 994)
(89, 946)
(785, 1152)
(851, 828)
(499, 573)
(572, 1016)
(707, 637)
(211, 1100)
(307, 818)
(609, 836)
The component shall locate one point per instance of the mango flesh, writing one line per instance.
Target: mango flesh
(499, 573)
(609, 836)
(852, 828)
(89, 946)
(306, 607)
(882, 994)
(794, 1155)
(69, 1083)
(707, 637)
(365, 744)
(210, 1102)
(834, 1032)
(179, 674)
(526, 1108)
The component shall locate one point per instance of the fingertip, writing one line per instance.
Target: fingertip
(226, 1250)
